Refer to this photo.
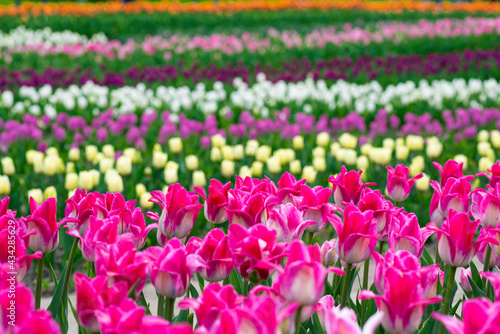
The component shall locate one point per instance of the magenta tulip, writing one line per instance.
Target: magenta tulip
(481, 250)
(329, 254)
(382, 208)
(43, 221)
(451, 169)
(289, 187)
(246, 209)
(454, 196)
(288, 222)
(494, 278)
(406, 234)
(315, 206)
(399, 183)
(347, 186)
(216, 201)
(465, 275)
(79, 209)
(486, 206)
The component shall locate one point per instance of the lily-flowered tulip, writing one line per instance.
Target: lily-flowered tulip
(214, 250)
(288, 222)
(480, 315)
(434, 213)
(288, 188)
(110, 204)
(246, 209)
(216, 201)
(303, 280)
(465, 275)
(494, 278)
(255, 251)
(180, 208)
(254, 186)
(329, 254)
(357, 235)
(347, 186)
(403, 301)
(138, 228)
(96, 294)
(486, 206)
(382, 208)
(171, 268)
(43, 221)
(454, 196)
(399, 183)
(79, 208)
(481, 250)
(451, 169)
(456, 244)
(315, 206)
(406, 234)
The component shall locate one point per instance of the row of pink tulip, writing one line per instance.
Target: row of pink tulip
(263, 248)
(274, 40)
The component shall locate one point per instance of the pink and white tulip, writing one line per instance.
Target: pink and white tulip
(288, 222)
(399, 183)
(315, 206)
(486, 206)
(216, 201)
(406, 234)
(43, 221)
(347, 186)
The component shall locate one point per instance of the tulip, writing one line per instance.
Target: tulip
(79, 208)
(246, 209)
(451, 169)
(180, 208)
(486, 206)
(454, 196)
(288, 187)
(398, 182)
(175, 144)
(214, 250)
(406, 234)
(303, 280)
(481, 250)
(288, 222)
(347, 186)
(96, 294)
(329, 254)
(8, 167)
(43, 221)
(434, 212)
(403, 301)
(216, 201)
(315, 206)
(5, 186)
(465, 275)
(171, 268)
(382, 208)
(255, 251)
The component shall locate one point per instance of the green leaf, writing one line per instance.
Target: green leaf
(201, 282)
(142, 302)
(181, 317)
(236, 280)
(475, 275)
(193, 291)
(56, 307)
(318, 329)
(476, 291)
(427, 257)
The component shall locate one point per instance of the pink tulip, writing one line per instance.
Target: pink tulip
(4, 207)
(288, 188)
(180, 208)
(329, 254)
(486, 206)
(96, 294)
(494, 278)
(216, 201)
(434, 213)
(121, 262)
(254, 186)
(403, 301)
(399, 183)
(382, 208)
(43, 221)
(315, 206)
(303, 280)
(171, 268)
(465, 274)
(481, 250)
(347, 186)
(451, 169)
(494, 175)
(255, 251)
(454, 196)
(480, 315)
(456, 244)
(406, 234)
(214, 250)
(246, 209)
(110, 204)
(124, 318)
(156, 325)
(288, 222)
(357, 236)
(79, 209)
(138, 228)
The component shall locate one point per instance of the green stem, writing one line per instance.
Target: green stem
(245, 287)
(336, 277)
(310, 238)
(161, 302)
(366, 271)
(487, 258)
(297, 319)
(381, 247)
(447, 297)
(437, 257)
(39, 278)
(169, 309)
(68, 274)
(345, 285)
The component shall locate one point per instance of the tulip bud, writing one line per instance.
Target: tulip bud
(115, 184)
(362, 163)
(175, 144)
(495, 139)
(124, 165)
(434, 150)
(323, 139)
(227, 152)
(388, 143)
(148, 171)
(4, 185)
(71, 181)
(298, 143)
(90, 152)
(85, 180)
(423, 183)
(171, 175)
(399, 142)
(52, 151)
(350, 156)
(227, 168)
(105, 164)
(251, 147)
(215, 154)
(415, 143)
(245, 171)
(366, 149)
(309, 173)
(257, 168)
(8, 166)
(461, 158)
(348, 141)
(199, 179)
(144, 201)
(108, 151)
(70, 167)
(140, 189)
(96, 176)
(329, 254)
(402, 152)
(319, 164)
(318, 152)
(50, 192)
(36, 194)
(30, 154)
(484, 164)
(192, 162)
(238, 152)
(74, 154)
(483, 136)
(52, 165)
(159, 159)
(218, 140)
(157, 148)
(295, 167)
(274, 165)
(263, 153)
(483, 148)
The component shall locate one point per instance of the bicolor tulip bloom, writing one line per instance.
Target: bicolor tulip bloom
(315, 206)
(406, 234)
(114, 204)
(347, 186)
(288, 188)
(246, 209)
(329, 254)
(456, 244)
(289, 223)
(454, 196)
(79, 209)
(434, 213)
(480, 315)
(180, 208)
(382, 208)
(216, 201)
(254, 186)
(486, 206)
(465, 275)
(357, 235)
(171, 268)
(399, 183)
(451, 169)
(303, 280)
(255, 251)
(138, 228)
(43, 221)
(403, 301)
(481, 250)
(214, 250)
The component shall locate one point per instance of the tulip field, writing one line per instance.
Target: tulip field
(265, 166)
